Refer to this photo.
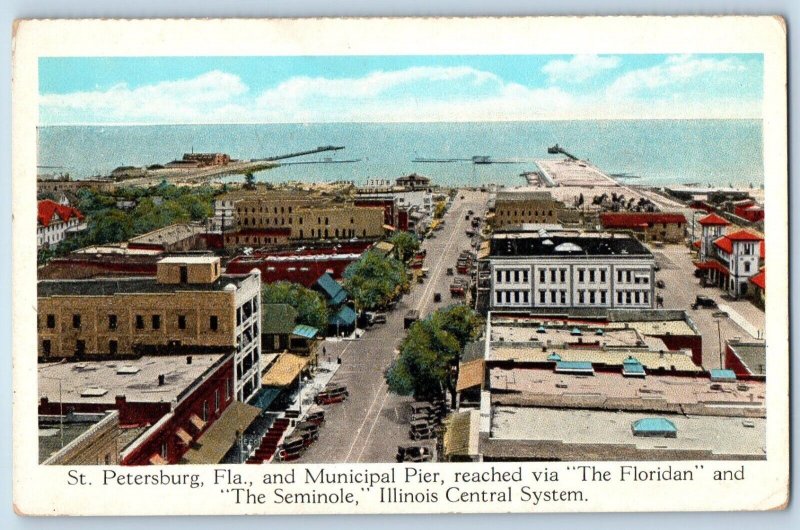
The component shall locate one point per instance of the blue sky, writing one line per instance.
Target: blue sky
(152, 90)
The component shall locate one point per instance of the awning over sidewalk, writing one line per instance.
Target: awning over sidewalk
(304, 331)
(345, 317)
(470, 375)
(285, 370)
(711, 265)
(212, 446)
(461, 436)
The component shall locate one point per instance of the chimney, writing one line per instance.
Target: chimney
(188, 359)
(161, 379)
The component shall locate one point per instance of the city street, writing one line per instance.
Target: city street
(372, 422)
(680, 290)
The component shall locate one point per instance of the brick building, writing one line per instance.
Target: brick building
(189, 307)
(648, 226)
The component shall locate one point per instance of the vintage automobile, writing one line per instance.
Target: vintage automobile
(413, 453)
(291, 449)
(704, 302)
(332, 393)
(316, 415)
(421, 430)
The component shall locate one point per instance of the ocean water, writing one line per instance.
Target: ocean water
(719, 152)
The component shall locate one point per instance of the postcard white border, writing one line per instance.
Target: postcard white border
(40, 489)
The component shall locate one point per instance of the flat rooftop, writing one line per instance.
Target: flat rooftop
(141, 285)
(520, 194)
(101, 381)
(651, 360)
(564, 335)
(191, 260)
(719, 435)
(168, 235)
(612, 390)
(754, 356)
(566, 244)
(662, 323)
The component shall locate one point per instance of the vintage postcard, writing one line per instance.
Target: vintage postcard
(400, 265)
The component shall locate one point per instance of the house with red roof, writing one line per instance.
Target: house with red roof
(732, 259)
(758, 284)
(649, 226)
(55, 222)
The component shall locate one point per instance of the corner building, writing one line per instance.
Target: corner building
(568, 269)
(189, 307)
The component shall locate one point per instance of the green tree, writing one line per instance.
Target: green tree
(405, 244)
(430, 353)
(374, 279)
(311, 307)
(249, 181)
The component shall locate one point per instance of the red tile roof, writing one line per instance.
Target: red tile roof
(763, 250)
(725, 244)
(696, 244)
(711, 264)
(760, 279)
(713, 219)
(47, 209)
(636, 219)
(744, 235)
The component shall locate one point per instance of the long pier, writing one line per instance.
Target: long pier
(321, 149)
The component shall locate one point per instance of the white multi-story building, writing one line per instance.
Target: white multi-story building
(55, 221)
(729, 260)
(567, 269)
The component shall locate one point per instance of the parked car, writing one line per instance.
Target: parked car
(413, 453)
(375, 318)
(704, 302)
(411, 317)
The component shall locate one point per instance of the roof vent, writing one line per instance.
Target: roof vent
(93, 392)
(568, 247)
(128, 370)
(654, 427)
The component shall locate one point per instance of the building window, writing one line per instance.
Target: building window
(228, 389)
(112, 347)
(508, 276)
(581, 294)
(76, 321)
(552, 296)
(112, 321)
(516, 297)
(181, 321)
(628, 275)
(542, 296)
(80, 347)
(541, 275)
(499, 276)
(213, 322)
(619, 297)
(591, 297)
(552, 275)
(51, 321)
(516, 276)
(636, 297)
(525, 276)
(628, 297)
(205, 410)
(602, 275)
(591, 275)
(580, 274)
(216, 400)
(619, 276)
(164, 451)
(563, 296)
(645, 297)
(139, 322)
(46, 347)
(525, 297)
(746, 266)
(156, 321)
(602, 297)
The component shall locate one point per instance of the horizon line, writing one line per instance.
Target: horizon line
(376, 122)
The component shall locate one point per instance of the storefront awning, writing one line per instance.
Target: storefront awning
(461, 435)
(198, 423)
(212, 446)
(285, 370)
(304, 331)
(470, 375)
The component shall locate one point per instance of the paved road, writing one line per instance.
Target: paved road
(372, 422)
(681, 288)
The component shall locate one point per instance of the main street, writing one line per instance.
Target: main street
(372, 422)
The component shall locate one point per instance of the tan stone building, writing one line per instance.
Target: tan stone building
(189, 307)
(666, 227)
(526, 207)
(276, 218)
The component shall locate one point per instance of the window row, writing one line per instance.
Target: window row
(592, 296)
(556, 296)
(633, 297)
(591, 275)
(555, 275)
(512, 297)
(509, 276)
(637, 276)
(113, 321)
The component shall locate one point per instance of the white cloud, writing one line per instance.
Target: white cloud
(578, 69)
(170, 101)
(675, 70)
(423, 94)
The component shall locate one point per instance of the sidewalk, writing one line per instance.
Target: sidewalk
(742, 322)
